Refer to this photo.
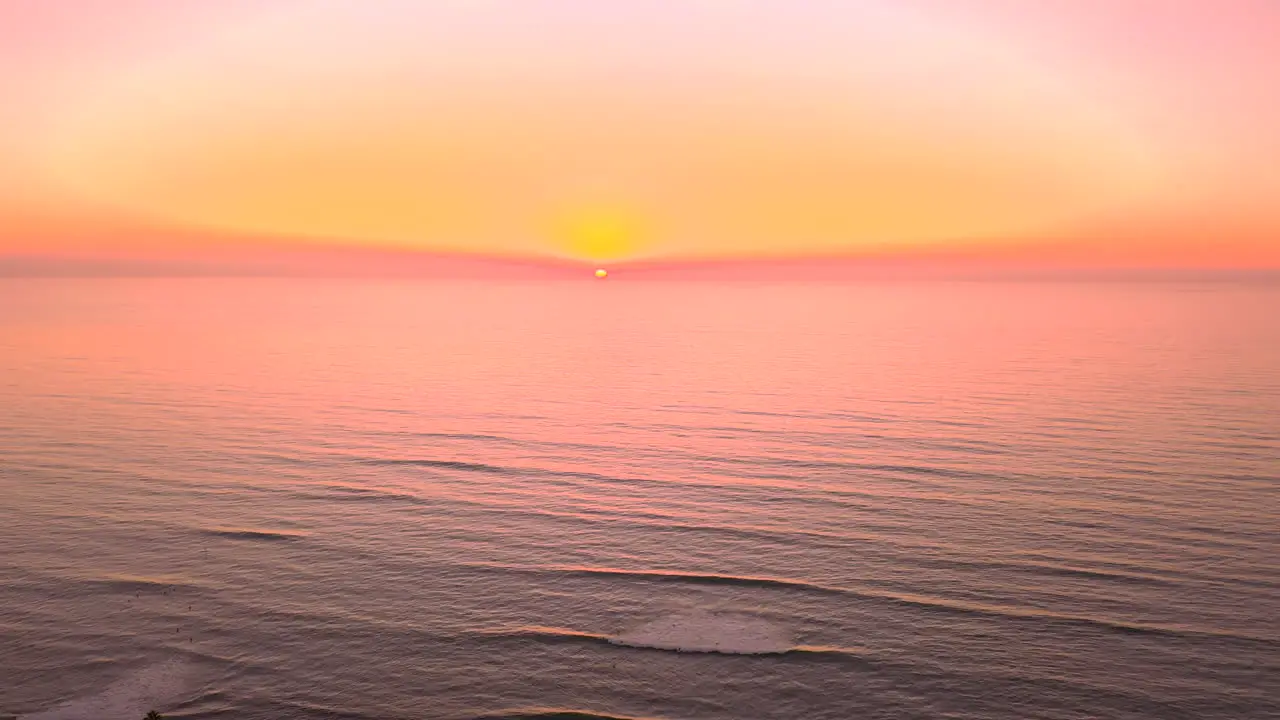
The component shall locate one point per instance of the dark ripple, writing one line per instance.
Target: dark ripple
(553, 714)
(652, 522)
(796, 493)
(554, 635)
(906, 599)
(344, 493)
(668, 524)
(922, 470)
(129, 583)
(488, 469)
(667, 576)
(260, 535)
(1052, 570)
(443, 464)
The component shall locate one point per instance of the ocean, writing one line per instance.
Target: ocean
(267, 499)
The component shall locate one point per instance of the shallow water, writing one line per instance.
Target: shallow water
(320, 499)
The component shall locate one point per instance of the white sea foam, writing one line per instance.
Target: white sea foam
(709, 632)
(129, 698)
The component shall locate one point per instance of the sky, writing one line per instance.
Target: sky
(304, 136)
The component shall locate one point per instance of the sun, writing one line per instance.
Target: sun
(598, 233)
(602, 273)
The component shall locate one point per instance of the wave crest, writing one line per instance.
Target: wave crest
(710, 632)
(154, 687)
(253, 534)
(552, 714)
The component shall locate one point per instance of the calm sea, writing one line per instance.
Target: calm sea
(271, 499)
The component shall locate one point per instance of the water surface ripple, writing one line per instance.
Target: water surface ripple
(269, 499)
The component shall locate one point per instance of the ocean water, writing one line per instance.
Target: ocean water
(271, 499)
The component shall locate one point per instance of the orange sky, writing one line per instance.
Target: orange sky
(305, 135)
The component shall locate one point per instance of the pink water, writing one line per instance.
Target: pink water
(448, 500)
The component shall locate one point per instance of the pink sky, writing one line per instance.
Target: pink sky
(1095, 133)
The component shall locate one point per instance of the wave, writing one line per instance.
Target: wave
(1052, 569)
(950, 473)
(552, 714)
(482, 437)
(348, 493)
(649, 521)
(132, 696)
(705, 632)
(694, 632)
(137, 583)
(545, 634)
(674, 576)
(247, 534)
(525, 471)
(797, 491)
(703, 579)
(829, 654)
(508, 470)
(900, 598)
(686, 635)
(442, 464)
(1037, 615)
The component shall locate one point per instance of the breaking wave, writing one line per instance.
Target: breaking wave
(694, 632)
(707, 632)
(132, 696)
